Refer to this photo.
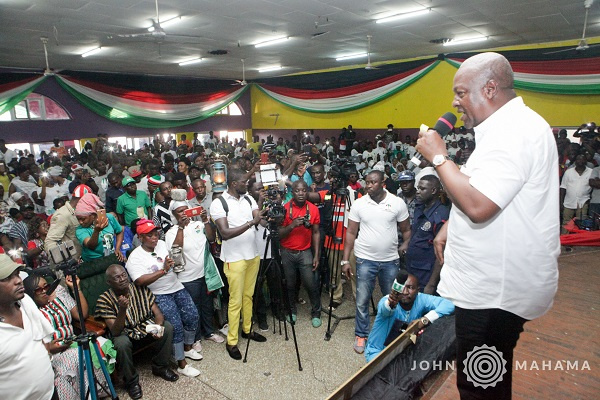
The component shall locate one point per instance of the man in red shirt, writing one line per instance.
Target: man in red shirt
(299, 234)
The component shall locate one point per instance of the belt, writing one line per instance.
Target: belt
(293, 251)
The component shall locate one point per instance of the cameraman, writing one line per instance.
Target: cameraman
(299, 232)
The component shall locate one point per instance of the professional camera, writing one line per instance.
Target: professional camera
(62, 252)
(306, 221)
(272, 203)
(341, 169)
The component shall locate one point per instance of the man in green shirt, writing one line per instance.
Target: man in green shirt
(133, 203)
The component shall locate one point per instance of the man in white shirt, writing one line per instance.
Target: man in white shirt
(575, 191)
(6, 154)
(239, 254)
(379, 215)
(25, 369)
(501, 241)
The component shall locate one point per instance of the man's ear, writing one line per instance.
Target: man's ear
(490, 89)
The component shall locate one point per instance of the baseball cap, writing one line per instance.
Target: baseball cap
(134, 171)
(127, 180)
(81, 190)
(406, 176)
(145, 226)
(156, 179)
(7, 266)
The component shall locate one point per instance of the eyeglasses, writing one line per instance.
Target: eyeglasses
(42, 289)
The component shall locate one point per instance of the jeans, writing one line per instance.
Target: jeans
(366, 272)
(301, 262)
(179, 309)
(494, 328)
(204, 304)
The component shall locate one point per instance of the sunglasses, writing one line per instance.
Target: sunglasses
(43, 289)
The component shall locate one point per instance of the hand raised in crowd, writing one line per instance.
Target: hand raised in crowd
(123, 302)
(185, 220)
(69, 281)
(204, 216)
(100, 224)
(394, 299)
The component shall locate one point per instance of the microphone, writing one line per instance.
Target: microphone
(398, 284)
(443, 126)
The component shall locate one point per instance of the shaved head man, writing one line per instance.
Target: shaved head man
(500, 245)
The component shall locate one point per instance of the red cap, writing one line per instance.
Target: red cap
(145, 226)
(81, 190)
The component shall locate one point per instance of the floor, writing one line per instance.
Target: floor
(568, 333)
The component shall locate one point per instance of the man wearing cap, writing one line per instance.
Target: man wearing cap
(407, 191)
(82, 177)
(53, 187)
(133, 203)
(25, 369)
(63, 224)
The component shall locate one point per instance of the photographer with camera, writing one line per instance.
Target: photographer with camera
(299, 233)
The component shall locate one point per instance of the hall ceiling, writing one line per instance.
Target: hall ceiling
(75, 26)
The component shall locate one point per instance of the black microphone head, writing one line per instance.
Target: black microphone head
(445, 124)
(402, 276)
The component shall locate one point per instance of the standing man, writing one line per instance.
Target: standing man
(501, 241)
(201, 198)
(430, 216)
(133, 204)
(239, 254)
(379, 215)
(300, 241)
(25, 369)
(575, 191)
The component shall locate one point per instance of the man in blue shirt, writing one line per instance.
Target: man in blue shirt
(413, 306)
(430, 215)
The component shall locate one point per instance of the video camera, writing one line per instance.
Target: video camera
(341, 169)
(271, 178)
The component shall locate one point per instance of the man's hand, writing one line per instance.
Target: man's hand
(439, 243)
(296, 222)
(402, 249)
(185, 220)
(204, 216)
(315, 262)
(347, 271)
(430, 144)
(261, 215)
(429, 289)
(123, 302)
(393, 299)
(120, 256)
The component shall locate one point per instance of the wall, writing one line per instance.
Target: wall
(422, 102)
(85, 123)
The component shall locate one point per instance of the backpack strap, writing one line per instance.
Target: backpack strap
(225, 205)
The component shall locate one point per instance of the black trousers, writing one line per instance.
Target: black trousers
(483, 378)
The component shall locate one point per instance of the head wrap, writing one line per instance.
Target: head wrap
(55, 171)
(88, 204)
(76, 167)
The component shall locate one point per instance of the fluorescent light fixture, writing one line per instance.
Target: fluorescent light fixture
(465, 41)
(270, 42)
(403, 16)
(269, 69)
(351, 56)
(92, 52)
(189, 62)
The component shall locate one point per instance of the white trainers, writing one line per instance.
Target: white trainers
(188, 371)
(197, 346)
(193, 354)
(224, 330)
(215, 338)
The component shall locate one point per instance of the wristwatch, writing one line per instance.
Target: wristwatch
(344, 262)
(439, 159)
(425, 321)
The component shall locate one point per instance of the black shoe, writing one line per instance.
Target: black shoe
(234, 352)
(263, 326)
(257, 337)
(135, 391)
(165, 373)
(335, 305)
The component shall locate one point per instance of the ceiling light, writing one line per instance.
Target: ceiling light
(270, 42)
(403, 16)
(92, 52)
(269, 69)
(359, 55)
(192, 61)
(465, 41)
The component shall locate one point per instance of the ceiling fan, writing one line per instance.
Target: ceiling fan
(583, 44)
(155, 32)
(47, 71)
(369, 66)
(243, 81)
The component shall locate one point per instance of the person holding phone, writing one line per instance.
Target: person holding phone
(99, 233)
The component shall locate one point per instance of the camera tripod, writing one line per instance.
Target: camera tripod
(69, 267)
(265, 266)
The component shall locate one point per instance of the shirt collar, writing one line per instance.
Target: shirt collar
(499, 118)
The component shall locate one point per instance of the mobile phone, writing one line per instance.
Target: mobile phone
(101, 213)
(264, 158)
(193, 212)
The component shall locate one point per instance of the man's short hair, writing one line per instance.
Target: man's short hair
(235, 174)
(380, 174)
(179, 176)
(435, 181)
(299, 182)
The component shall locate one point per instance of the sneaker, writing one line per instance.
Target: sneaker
(263, 326)
(197, 346)
(293, 317)
(189, 371)
(316, 322)
(193, 355)
(224, 330)
(215, 338)
(359, 344)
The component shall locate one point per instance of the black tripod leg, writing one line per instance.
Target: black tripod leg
(258, 285)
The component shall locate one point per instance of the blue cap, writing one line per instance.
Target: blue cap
(406, 176)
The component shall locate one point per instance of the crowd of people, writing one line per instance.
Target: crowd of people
(127, 210)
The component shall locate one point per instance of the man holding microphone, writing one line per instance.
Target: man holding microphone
(502, 238)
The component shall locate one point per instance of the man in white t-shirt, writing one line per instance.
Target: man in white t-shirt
(239, 254)
(575, 191)
(25, 369)
(501, 241)
(379, 215)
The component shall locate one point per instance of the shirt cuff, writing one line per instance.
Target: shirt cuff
(432, 316)
(386, 304)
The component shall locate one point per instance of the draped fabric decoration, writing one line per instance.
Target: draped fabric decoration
(346, 98)
(148, 110)
(13, 93)
(581, 76)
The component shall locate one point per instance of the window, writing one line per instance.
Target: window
(232, 109)
(35, 107)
